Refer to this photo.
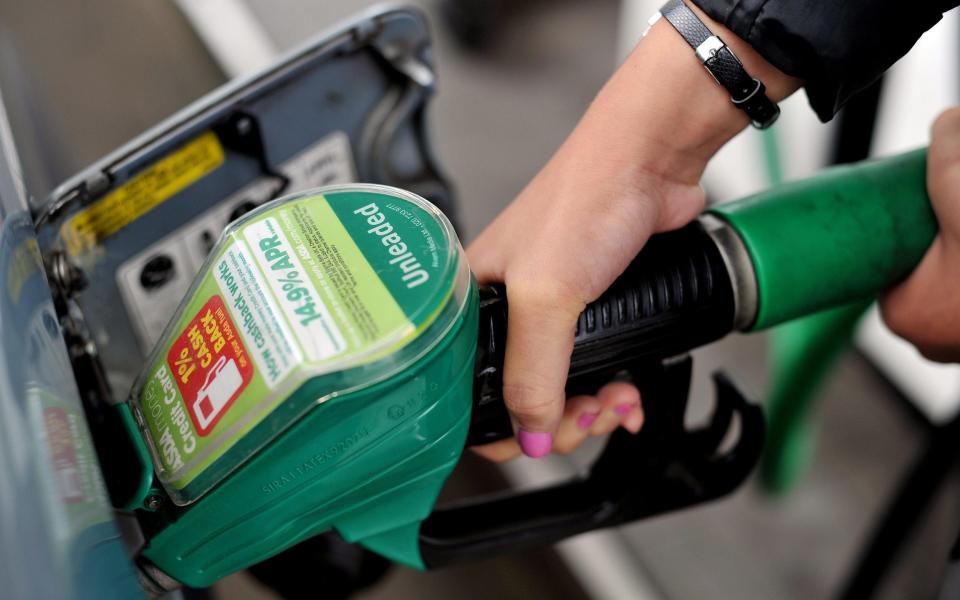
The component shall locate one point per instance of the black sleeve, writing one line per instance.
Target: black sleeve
(837, 47)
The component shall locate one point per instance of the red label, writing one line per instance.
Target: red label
(210, 365)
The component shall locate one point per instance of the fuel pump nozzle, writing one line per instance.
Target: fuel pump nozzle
(363, 446)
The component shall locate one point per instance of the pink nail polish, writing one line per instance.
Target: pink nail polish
(623, 409)
(586, 420)
(534, 445)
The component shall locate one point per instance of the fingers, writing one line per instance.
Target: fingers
(542, 317)
(616, 404)
(943, 175)
(925, 308)
(499, 452)
(580, 414)
(621, 407)
(537, 359)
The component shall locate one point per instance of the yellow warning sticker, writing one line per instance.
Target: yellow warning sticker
(141, 194)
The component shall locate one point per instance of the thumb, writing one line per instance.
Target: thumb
(541, 321)
(943, 175)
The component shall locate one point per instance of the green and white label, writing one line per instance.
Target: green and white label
(308, 287)
(312, 323)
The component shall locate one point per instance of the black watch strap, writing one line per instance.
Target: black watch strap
(747, 93)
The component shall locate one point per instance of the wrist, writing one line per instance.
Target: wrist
(663, 111)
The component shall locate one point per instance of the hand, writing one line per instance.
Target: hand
(631, 168)
(925, 309)
(558, 246)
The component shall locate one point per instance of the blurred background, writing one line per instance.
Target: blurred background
(81, 78)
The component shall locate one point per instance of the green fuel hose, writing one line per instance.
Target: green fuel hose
(843, 236)
(801, 353)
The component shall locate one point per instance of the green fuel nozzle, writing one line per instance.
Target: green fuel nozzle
(334, 358)
(844, 235)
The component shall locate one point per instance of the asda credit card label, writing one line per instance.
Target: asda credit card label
(317, 284)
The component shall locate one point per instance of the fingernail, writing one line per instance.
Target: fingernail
(535, 445)
(587, 419)
(623, 409)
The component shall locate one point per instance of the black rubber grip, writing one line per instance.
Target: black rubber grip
(675, 296)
